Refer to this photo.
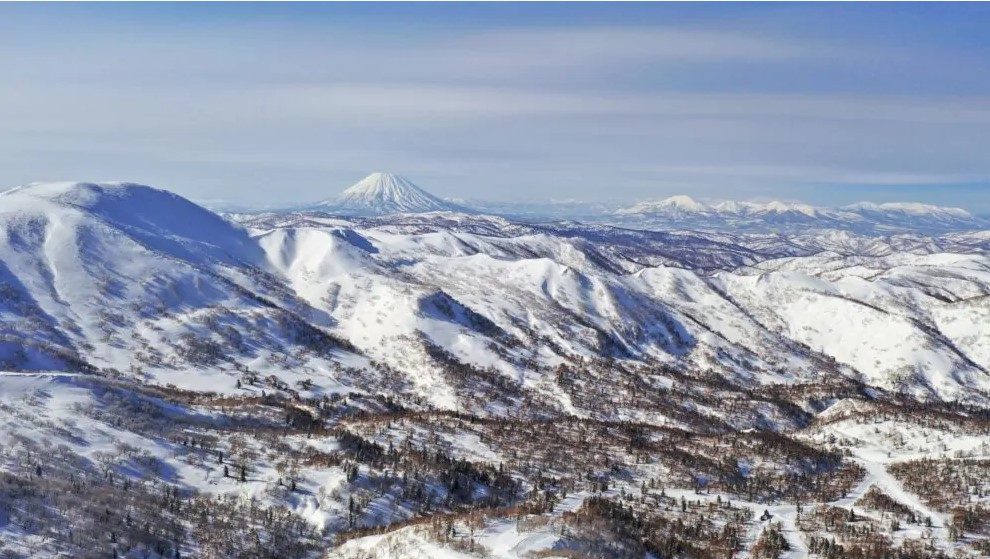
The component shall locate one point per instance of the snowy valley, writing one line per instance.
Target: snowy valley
(389, 374)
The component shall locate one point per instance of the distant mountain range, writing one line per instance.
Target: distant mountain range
(863, 217)
(381, 194)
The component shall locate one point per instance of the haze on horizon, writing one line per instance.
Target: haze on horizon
(271, 104)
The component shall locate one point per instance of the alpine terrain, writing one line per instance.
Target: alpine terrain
(387, 374)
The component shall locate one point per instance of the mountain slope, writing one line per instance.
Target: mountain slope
(130, 278)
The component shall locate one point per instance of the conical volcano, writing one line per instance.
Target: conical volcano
(385, 193)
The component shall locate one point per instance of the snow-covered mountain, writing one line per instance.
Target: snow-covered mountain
(385, 193)
(673, 206)
(328, 376)
(863, 218)
(127, 277)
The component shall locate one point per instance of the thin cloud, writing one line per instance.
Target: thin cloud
(560, 110)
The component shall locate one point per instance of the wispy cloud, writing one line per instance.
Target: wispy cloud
(499, 110)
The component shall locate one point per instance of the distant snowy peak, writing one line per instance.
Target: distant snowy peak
(673, 205)
(385, 193)
(783, 208)
(684, 211)
(685, 205)
(909, 208)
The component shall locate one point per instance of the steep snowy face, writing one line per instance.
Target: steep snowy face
(385, 193)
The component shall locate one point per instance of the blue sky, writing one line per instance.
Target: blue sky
(281, 103)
